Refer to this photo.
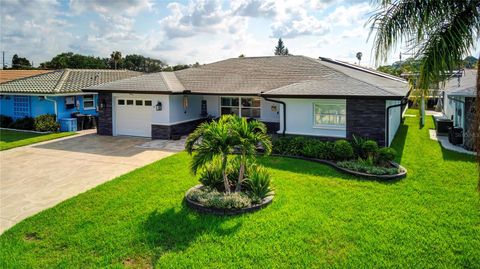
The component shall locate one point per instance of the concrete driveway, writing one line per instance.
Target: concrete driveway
(39, 176)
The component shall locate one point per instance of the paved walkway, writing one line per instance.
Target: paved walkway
(447, 145)
(39, 176)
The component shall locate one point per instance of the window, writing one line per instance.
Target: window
(121, 102)
(330, 114)
(139, 102)
(88, 102)
(248, 107)
(129, 102)
(69, 102)
(148, 102)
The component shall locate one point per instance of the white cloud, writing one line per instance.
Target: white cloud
(126, 7)
(254, 8)
(350, 15)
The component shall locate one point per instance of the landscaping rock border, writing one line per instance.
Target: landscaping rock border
(402, 174)
(224, 212)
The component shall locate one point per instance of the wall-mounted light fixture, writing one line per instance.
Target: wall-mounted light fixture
(158, 106)
(103, 104)
(274, 108)
(185, 103)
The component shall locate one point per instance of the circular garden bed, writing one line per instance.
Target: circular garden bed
(198, 206)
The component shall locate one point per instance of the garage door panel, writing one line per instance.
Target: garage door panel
(133, 116)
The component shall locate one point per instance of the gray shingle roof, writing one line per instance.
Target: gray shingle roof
(273, 76)
(466, 86)
(64, 81)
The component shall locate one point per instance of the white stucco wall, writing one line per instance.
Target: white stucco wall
(452, 108)
(179, 114)
(394, 119)
(213, 105)
(300, 119)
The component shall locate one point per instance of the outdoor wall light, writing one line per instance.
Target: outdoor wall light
(158, 106)
(274, 108)
(185, 103)
(103, 104)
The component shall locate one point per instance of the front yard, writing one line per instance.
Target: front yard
(319, 218)
(12, 139)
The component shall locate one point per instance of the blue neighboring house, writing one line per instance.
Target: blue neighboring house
(57, 92)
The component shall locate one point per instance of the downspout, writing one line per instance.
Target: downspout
(387, 130)
(284, 112)
(54, 106)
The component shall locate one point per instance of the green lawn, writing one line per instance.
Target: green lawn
(319, 218)
(12, 139)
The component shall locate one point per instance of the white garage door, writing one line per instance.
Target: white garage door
(133, 116)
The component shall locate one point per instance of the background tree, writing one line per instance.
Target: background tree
(440, 32)
(116, 56)
(280, 48)
(470, 62)
(71, 60)
(241, 56)
(359, 57)
(20, 62)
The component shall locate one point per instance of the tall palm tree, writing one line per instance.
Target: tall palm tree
(249, 135)
(359, 57)
(439, 32)
(116, 56)
(209, 141)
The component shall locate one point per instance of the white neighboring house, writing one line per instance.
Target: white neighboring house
(293, 95)
(459, 103)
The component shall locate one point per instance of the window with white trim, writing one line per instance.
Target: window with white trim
(248, 107)
(88, 102)
(331, 114)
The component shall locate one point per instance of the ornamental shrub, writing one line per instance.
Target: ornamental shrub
(5, 121)
(46, 123)
(365, 168)
(312, 148)
(26, 123)
(211, 176)
(370, 149)
(342, 150)
(213, 198)
(357, 144)
(386, 155)
(258, 183)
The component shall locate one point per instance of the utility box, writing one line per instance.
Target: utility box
(68, 125)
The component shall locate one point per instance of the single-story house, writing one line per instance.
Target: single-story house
(56, 92)
(459, 104)
(293, 95)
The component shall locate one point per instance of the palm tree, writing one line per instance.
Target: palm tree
(440, 32)
(209, 141)
(249, 135)
(116, 56)
(359, 57)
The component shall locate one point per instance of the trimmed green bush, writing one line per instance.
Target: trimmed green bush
(5, 121)
(370, 149)
(213, 198)
(26, 123)
(386, 155)
(312, 148)
(365, 168)
(46, 123)
(342, 150)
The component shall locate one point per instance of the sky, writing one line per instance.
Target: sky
(185, 32)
